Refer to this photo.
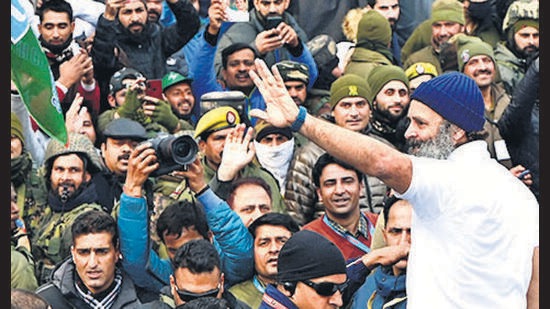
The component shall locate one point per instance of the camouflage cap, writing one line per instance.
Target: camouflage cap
(76, 143)
(520, 10)
(323, 50)
(217, 119)
(117, 79)
(292, 70)
(173, 78)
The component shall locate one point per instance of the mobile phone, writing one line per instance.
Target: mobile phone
(272, 22)
(524, 173)
(154, 88)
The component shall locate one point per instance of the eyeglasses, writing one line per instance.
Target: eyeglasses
(188, 296)
(326, 288)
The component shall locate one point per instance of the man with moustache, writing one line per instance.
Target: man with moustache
(177, 90)
(119, 138)
(390, 101)
(236, 58)
(391, 10)
(385, 285)
(514, 55)
(125, 38)
(477, 60)
(270, 232)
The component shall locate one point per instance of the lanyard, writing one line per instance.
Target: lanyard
(258, 285)
(354, 241)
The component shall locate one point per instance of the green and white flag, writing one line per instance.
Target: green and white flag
(32, 76)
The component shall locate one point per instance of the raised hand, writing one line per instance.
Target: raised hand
(216, 14)
(74, 115)
(238, 151)
(281, 110)
(142, 162)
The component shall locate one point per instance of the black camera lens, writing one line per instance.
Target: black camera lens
(174, 152)
(184, 149)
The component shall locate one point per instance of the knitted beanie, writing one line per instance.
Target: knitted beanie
(17, 127)
(471, 46)
(349, 85)
(373, 27)
(308, 255)
(456, 97)
(448, 10)
(380, 75)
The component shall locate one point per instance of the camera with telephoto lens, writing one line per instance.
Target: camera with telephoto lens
(173, 152)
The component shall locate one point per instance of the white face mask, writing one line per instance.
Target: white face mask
(276, 159)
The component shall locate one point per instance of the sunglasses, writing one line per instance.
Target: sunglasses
(189, 296)
(326, 288)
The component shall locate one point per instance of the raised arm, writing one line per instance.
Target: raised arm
(367, 154)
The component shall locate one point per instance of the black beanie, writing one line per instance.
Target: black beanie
(308, 255)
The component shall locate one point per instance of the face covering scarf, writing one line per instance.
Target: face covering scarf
(276, 159)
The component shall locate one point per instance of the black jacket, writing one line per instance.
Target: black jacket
(519, 124)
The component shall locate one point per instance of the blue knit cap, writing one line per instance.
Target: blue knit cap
(456, 97)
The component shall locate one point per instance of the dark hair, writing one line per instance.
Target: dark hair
(251, 180)
(59, 6)
(25, 299)
(274, 218)
(197, 255)
(233, 48)
(95, 221)
(86, 164)
(208, 302)
(326, 159)
(389, 201)
(179, 215)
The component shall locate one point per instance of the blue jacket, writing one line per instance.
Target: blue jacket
(205, 79)
(231, 239)
(273, 298)
(381, 288)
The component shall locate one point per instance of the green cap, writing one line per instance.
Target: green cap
(471, 46)
(380, 75)
(173, 78)
(349, 85)
(448, 10)
(373, 27)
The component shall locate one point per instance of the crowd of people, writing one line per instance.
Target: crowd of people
(318, 154)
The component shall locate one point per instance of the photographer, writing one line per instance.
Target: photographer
(145, 265)
(155, 115)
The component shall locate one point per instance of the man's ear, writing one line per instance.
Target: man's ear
(458, 135)
(319, 197)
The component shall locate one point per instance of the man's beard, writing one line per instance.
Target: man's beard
(439, 147)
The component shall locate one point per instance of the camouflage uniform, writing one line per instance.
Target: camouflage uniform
(53, 238)
(511, 66)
